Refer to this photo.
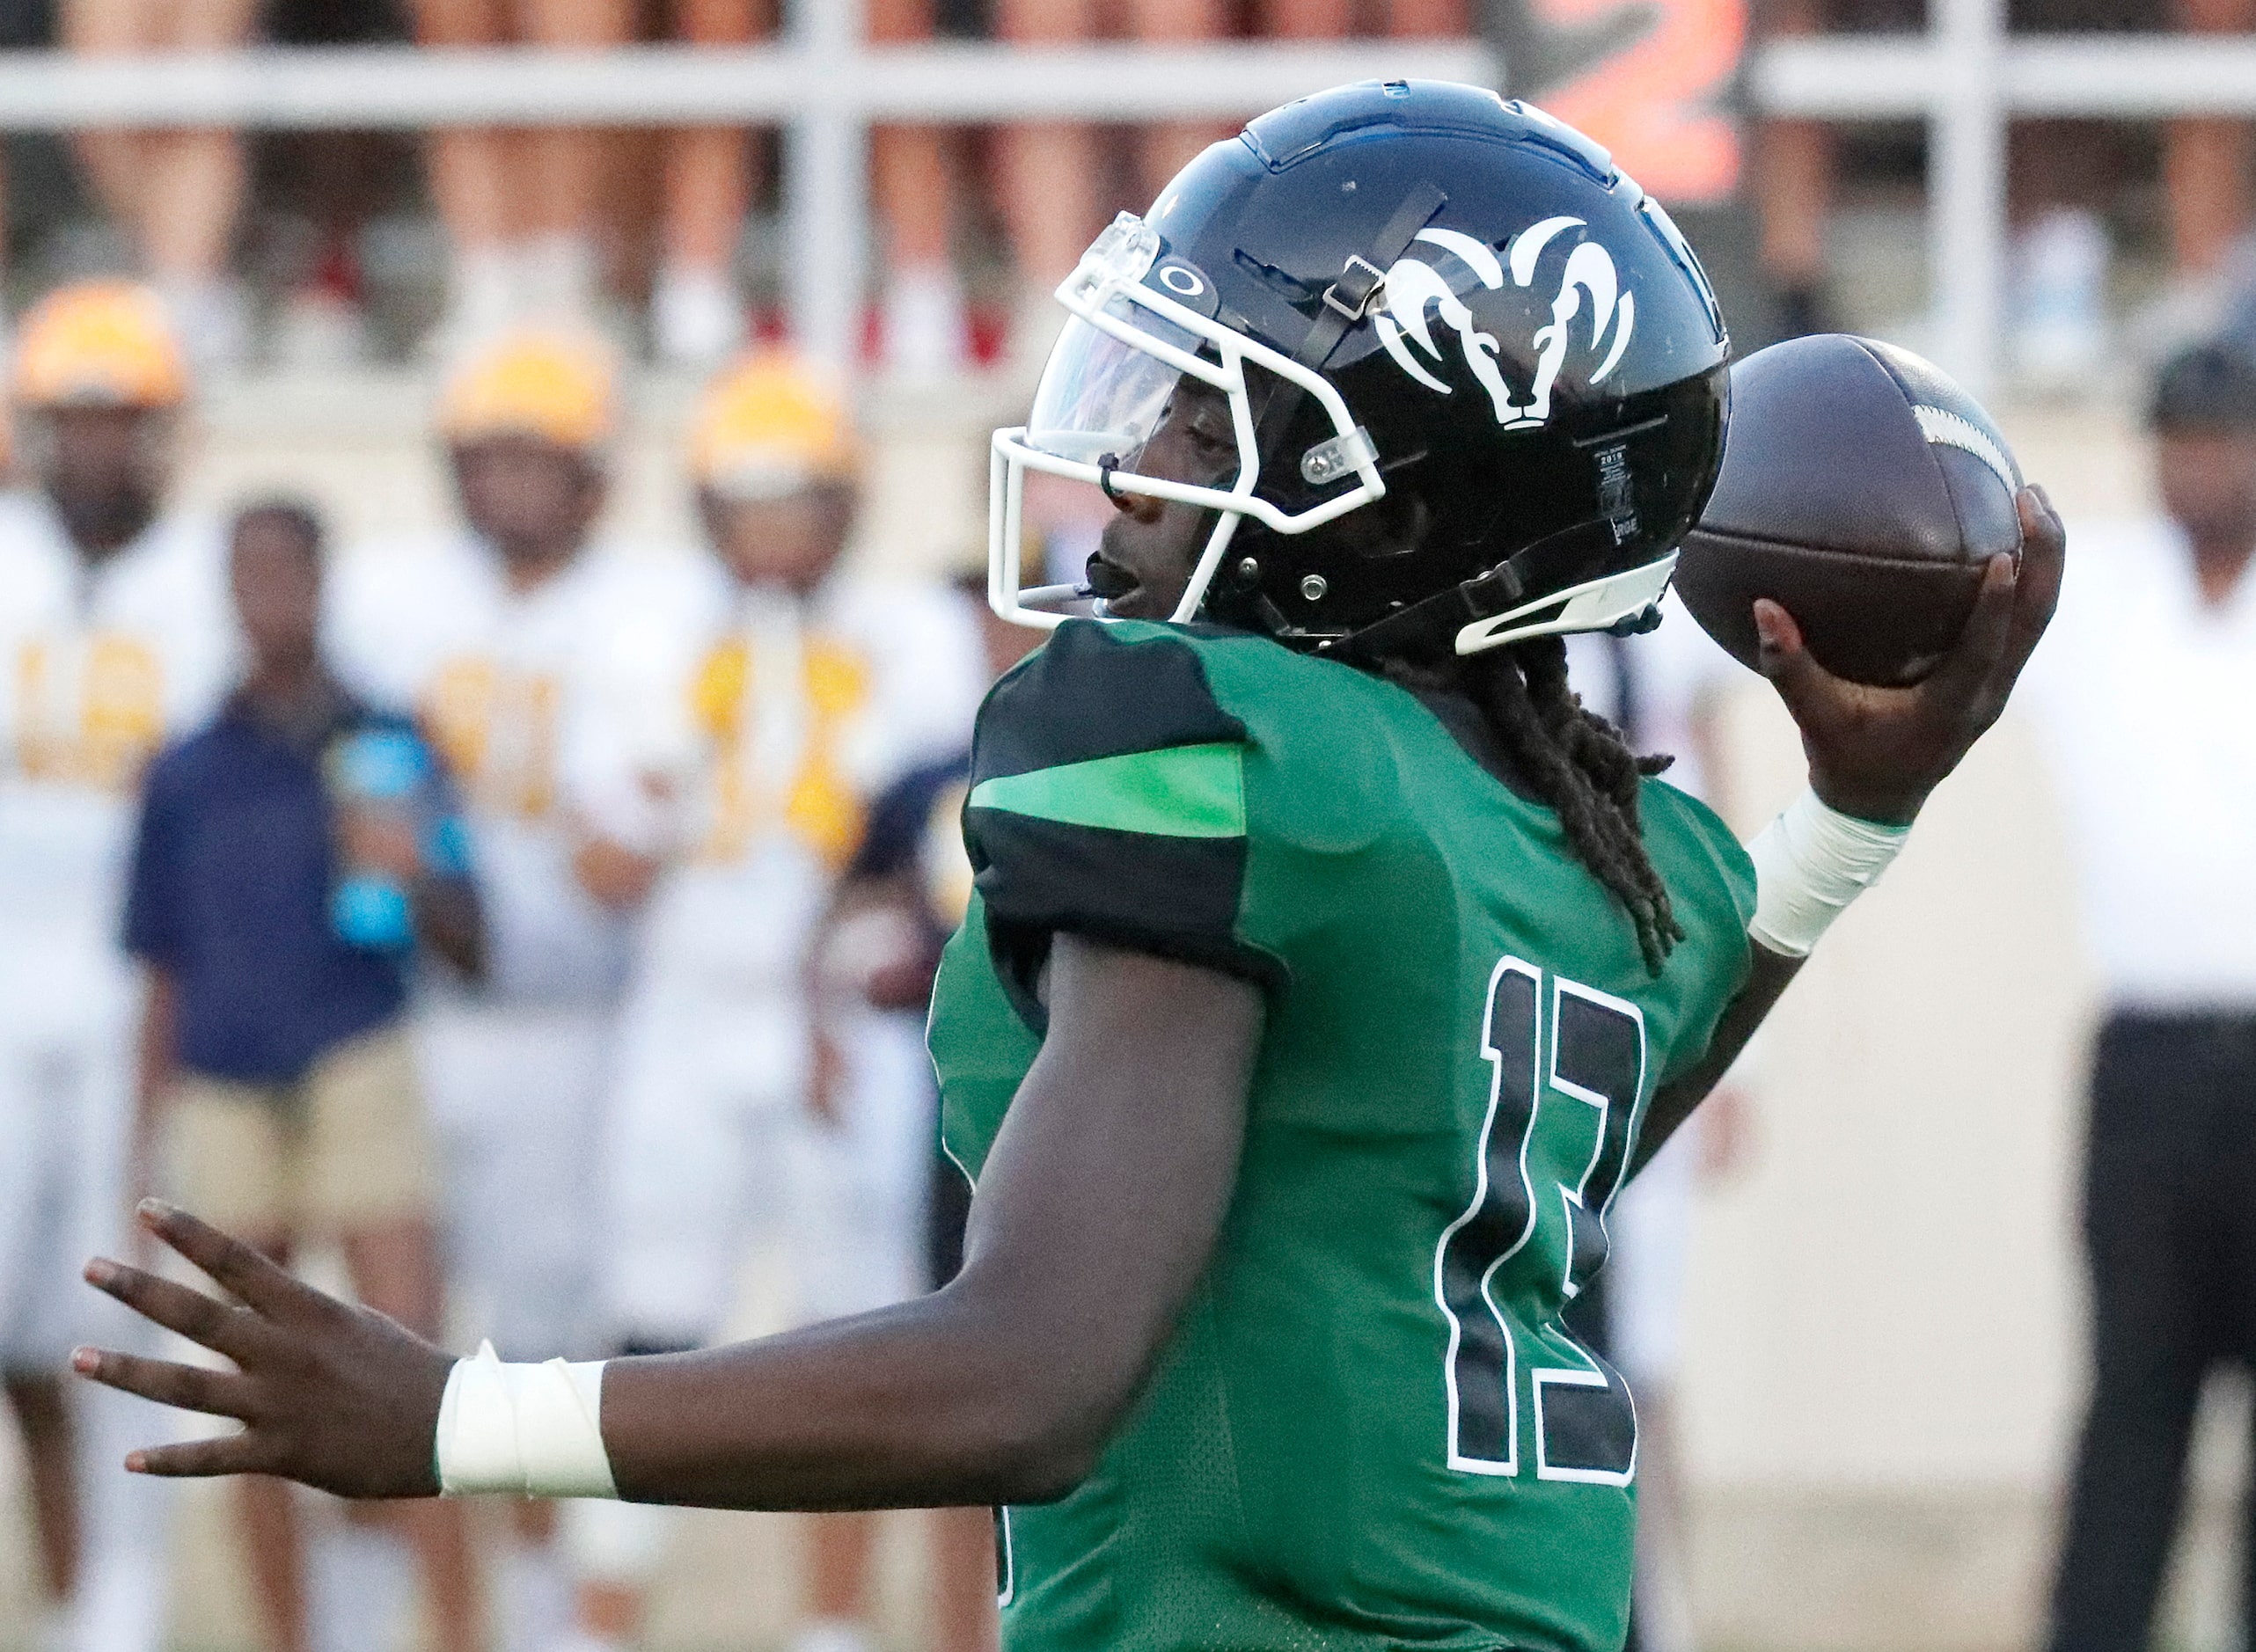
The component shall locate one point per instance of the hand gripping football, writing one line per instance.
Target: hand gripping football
(1862, 491)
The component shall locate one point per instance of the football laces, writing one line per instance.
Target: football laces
(1942, 427)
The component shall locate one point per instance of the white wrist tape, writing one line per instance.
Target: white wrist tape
(522, 1430)
(1809, 863)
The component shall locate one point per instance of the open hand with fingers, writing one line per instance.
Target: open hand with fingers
(1876, 753)
(337, 1397)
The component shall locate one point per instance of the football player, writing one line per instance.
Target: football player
(530, 648)
(1329, 970)
(818, 688)
(115, 632)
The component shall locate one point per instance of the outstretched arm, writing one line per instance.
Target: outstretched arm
(1876, 753)
(1096, 1213)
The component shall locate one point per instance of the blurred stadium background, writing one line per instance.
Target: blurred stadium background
(1884, 1352)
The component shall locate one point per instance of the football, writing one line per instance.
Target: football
(1862, 491)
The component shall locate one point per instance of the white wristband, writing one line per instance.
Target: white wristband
(1809, 863)
(522, 1430)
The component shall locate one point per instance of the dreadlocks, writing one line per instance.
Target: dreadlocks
(1572, 759)
(1575, 762)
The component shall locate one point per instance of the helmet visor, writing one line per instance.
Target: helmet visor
(1101, 395)
(1143, 397)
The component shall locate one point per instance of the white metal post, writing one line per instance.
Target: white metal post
(1965, 190)
(826, 185)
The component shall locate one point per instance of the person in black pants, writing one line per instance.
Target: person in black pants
(2170, 1223)
(2146, 686)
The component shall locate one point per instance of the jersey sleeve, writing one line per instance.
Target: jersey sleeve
(377, 615)
(1108, 799)
(1711, 884)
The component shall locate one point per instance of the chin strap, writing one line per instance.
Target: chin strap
(1434, 622)
(1440, 622)
(1431, 625)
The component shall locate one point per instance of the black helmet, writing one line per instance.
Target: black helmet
(1412, 292)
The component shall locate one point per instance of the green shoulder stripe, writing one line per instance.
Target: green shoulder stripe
(1176, 791)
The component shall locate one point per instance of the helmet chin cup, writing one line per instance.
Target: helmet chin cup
(1597, 604)
(1107, 281)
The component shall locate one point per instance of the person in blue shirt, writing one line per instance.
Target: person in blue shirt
(294, 858)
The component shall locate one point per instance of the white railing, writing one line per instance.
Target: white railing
(1965, 78)
(364, 86)
(821, 83)
(2125, 77)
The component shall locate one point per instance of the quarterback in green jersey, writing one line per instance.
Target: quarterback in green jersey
(1370, 1425)
(1329, 968)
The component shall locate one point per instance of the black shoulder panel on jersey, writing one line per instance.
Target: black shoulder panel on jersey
(1089, 693)
(1173, 897)
(1108, 801)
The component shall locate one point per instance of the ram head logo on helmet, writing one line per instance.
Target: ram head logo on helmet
(1413, 287)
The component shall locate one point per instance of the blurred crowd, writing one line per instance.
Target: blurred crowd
(318, 250)
(2120, 233)
(648, 236)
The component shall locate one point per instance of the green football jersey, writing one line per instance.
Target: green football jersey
(1369, 1429)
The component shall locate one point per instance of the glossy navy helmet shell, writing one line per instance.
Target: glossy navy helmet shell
(1472, 365)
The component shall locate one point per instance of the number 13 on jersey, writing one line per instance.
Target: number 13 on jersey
(1566, 1078)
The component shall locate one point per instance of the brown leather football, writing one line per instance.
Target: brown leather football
(1862, 491)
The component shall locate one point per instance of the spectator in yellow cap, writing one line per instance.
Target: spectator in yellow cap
(818, 688)
(527, 424)
(531, 647)
(114, 633)
(99, 377)
(776, 462)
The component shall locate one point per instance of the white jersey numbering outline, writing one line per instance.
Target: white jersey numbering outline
(1584, 1424)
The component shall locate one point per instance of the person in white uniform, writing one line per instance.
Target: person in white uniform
(114, 633)
(818, 689)
(526, 647)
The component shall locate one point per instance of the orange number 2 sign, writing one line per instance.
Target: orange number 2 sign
(1656, 105)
